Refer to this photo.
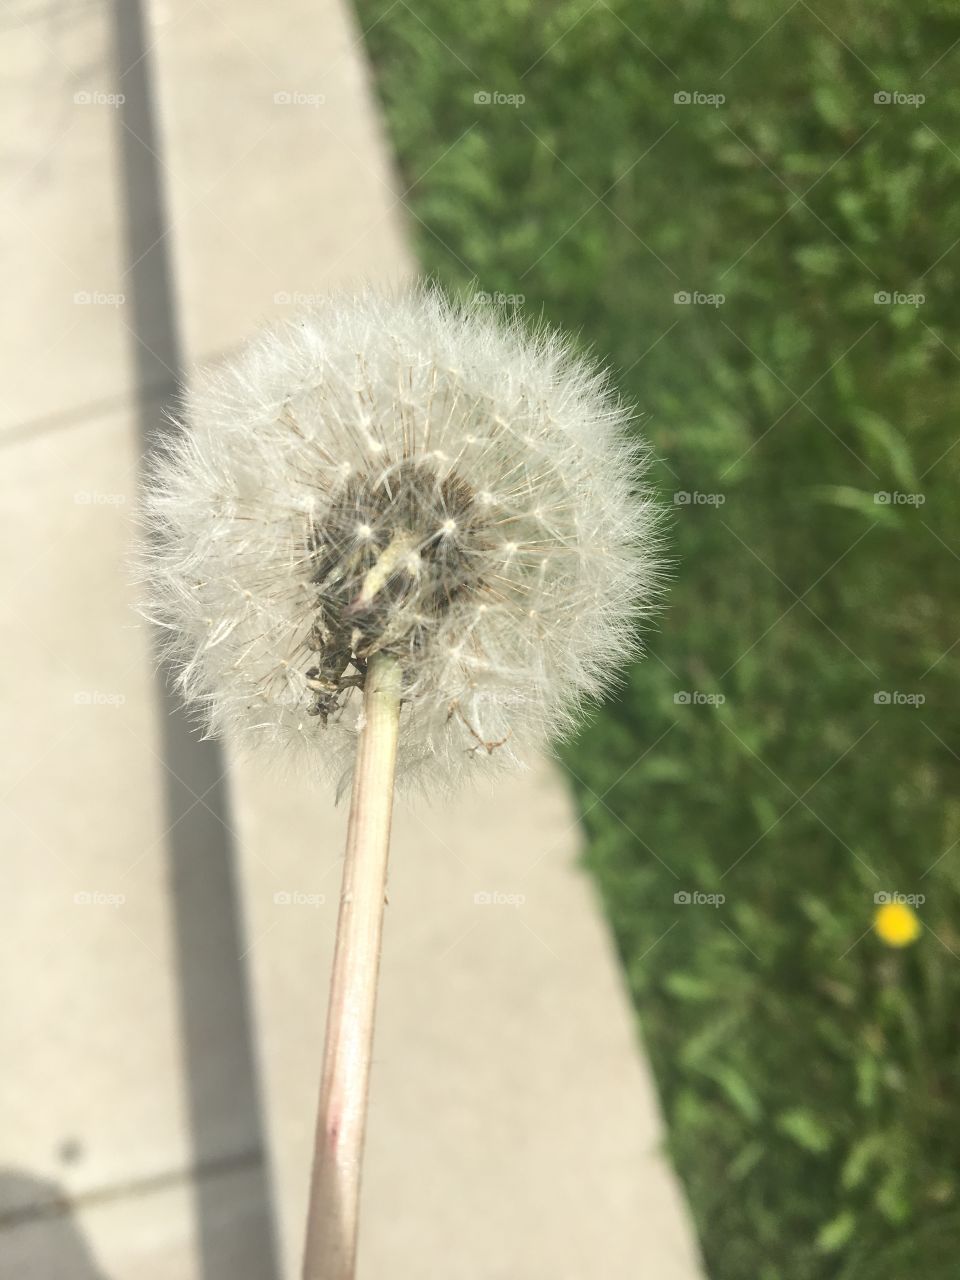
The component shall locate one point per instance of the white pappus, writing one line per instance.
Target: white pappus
(398, 472)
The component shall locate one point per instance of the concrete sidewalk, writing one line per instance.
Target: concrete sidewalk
(176, 938)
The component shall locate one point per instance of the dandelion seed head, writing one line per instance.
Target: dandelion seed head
(401, 474)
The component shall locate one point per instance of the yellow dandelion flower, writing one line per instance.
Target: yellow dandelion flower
(897, 924)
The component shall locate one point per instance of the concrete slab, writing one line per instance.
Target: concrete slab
(144, 1234)
(87, 981)
(105, 1077)
(65, 343)
(276, 170)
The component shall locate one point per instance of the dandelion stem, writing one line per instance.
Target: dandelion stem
(335, 1185)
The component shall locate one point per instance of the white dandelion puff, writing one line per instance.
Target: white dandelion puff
(402, 475)
(408, 538)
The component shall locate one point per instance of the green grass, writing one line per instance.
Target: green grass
(808, 1073)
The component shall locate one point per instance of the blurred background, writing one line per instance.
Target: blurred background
(711, 1028)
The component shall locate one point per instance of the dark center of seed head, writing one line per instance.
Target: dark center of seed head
(388, 560)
